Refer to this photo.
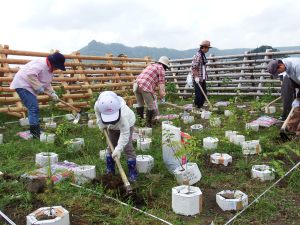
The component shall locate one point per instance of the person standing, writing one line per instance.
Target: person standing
(145, 85)
(290, 82)
(114, 115)
(35, 78)
(199, 73)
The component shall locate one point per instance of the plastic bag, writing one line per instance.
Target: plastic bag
(189, 80)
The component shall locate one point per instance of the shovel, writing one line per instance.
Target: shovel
(283, 132)
(122, 173)
(79, 112)
(205, 96)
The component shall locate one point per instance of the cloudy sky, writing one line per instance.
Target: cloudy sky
(68, 25)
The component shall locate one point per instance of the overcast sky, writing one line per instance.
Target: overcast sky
(68, 25)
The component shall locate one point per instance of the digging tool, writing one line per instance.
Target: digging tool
(206, 98)
(122, 173)
(270, 103)
(79, 112)
(283, 134)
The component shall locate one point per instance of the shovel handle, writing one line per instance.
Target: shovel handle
(270, 103)
(65, 103)
(287, 119)
(205, 96)
(117, 161)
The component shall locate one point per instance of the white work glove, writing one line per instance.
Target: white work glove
(116, 153)
(197, 80)
(54, 96)
(40, 90)
(296, 103)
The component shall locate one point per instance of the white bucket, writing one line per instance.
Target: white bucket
(85, 173)
(61, 216)
(42, 158)
(187, 174)
(49, 138)
(238, 201)
(186, 200)
(251, 147)
(263, 172)
(196, 128)
(143, 144)
(210, 143)
(221, 158)
(144, 163)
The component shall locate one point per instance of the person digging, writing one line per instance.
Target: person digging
(35, 78)
(145, 85)
(199, 73)
(114, 115)
(290, 82)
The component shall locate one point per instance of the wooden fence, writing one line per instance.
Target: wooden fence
(84, 78)
(231, 75)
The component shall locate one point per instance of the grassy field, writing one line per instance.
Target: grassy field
(281, 205)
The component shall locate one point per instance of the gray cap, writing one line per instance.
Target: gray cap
(273, 67)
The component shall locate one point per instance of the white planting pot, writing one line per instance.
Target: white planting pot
(69, 117)
(251, 147)
(47, 119)
(241, 106)
(143, 144)
(51, 125)
(215, 122)
(145, 131)
(144, 163)
(188, 119)
(239, 139)
(205, 115)
(196, 127)
(270, 109)
(188, 175)
(186, 200)
(1, 138)
(251, 126)
(42, 158)
(238, 202)
(221, 158)
(92, 124)
(102, 154)
(228, 113)
(229, 133)
(210, 143)
(62, 216)
(49, 138)
(76, 144)
(24, 122)
(263, 172)
(167, 122)
(84, 173)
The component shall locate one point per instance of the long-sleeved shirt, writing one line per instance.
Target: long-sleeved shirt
(292, 68)
(33, 75)
(126, 121)
(198, 66)
(151, 76)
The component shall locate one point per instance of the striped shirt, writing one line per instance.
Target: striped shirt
(198, 66)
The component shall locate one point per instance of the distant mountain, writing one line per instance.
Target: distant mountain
(99, 48)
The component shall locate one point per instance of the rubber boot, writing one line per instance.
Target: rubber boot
(35, 131)
(133, 174)
(140, 112)
(149, 117)
(110, 165)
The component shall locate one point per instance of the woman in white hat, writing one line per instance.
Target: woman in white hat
(113, 113)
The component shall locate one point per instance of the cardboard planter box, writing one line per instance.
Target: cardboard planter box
(92, 124)
(186, 200)
(51, 125)
(263, 172)
(196, 128)
(215, 122)
(188, 175)
(145, 132)
(46, 137)
(24, 122)
(205, 115)
(270, 110)
(144, 163)
(229, 133)
(42, 158)
(210, 143)
(228, 113)
(238, 139)
(55, 215)
(76, 144)
(252, 126)
(84, 173)
(251, 147)
(143, 144)
(231, 200)
(221, 158)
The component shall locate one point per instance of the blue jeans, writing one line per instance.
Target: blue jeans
(31, 103)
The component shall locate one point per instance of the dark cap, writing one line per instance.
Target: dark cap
(273, 67)
(57, 60)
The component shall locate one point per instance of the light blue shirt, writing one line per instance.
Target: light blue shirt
(292, 68)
